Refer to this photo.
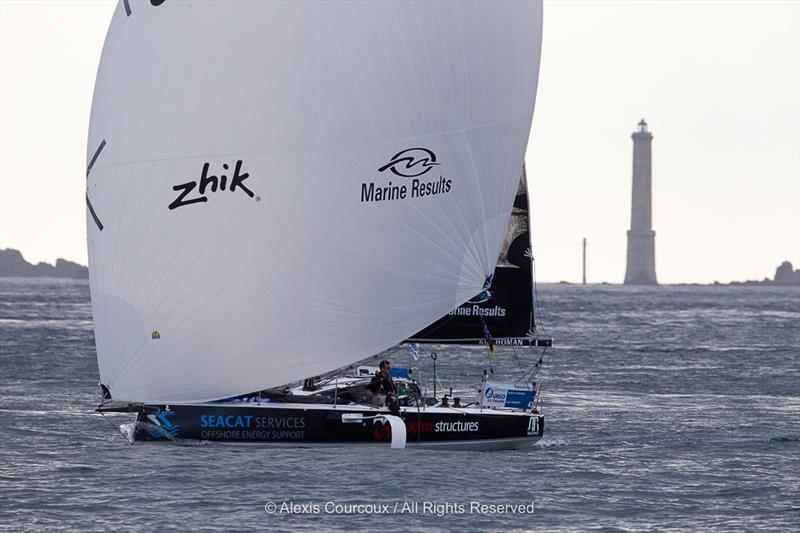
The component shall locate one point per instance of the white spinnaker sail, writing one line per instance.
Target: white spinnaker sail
(300, 265)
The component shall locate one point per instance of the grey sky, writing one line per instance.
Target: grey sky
(718, 82)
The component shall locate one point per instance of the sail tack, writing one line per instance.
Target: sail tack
(285, 188)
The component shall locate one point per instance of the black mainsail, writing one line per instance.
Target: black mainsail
(507, 308)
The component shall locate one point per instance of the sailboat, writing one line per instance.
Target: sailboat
(278, 191)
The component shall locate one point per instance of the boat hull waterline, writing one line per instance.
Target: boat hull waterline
(304, 425)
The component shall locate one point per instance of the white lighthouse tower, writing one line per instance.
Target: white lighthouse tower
(641, 237)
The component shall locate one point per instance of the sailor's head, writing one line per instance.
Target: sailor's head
(385, 366)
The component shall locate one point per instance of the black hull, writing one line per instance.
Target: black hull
(303, 425)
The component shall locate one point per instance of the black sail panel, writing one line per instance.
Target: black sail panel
(508, 313)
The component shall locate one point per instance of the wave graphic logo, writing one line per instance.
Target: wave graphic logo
(411, 162)
(484, 296)
(163, 425)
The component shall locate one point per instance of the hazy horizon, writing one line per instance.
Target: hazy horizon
(717, 82)
(598, 282)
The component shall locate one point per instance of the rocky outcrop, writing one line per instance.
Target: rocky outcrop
(786, 275)
(12, 264)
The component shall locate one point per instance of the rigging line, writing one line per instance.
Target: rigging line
(537, 366)
(507, 329)
(438, 379)
(540, 385)
(534, 371)
(536, 295)
(531, 374)
(419, 417)
(129, 440)
(522, 371)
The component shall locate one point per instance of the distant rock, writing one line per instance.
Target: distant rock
(786, 275)
(13, 265)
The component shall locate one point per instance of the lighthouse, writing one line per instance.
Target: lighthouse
(641, 268)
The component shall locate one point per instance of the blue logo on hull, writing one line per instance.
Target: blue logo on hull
(163, 426)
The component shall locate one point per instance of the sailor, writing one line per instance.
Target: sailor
(381, 387)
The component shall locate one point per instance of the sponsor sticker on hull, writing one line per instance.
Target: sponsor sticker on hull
(497, 394)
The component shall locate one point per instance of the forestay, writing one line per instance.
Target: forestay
(278, 189)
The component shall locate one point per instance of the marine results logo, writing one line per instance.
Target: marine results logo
(413, 163)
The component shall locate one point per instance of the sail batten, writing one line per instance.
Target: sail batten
(307, 188)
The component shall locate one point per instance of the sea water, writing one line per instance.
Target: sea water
(668, 408)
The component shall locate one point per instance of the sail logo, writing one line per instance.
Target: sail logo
(409, 163)
(468, 309)
(484, 296)
(208, 183)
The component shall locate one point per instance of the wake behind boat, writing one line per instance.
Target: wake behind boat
(301, 193)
